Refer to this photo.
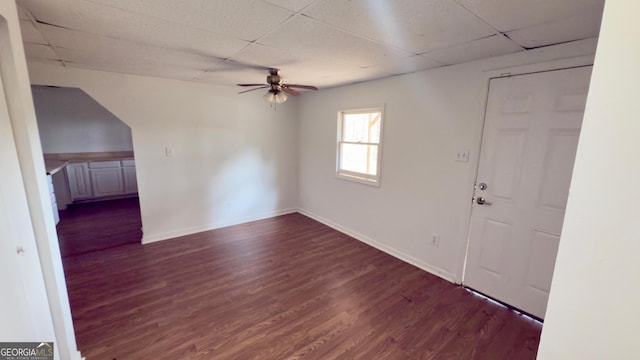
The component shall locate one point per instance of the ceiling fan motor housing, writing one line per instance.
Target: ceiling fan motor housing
(277, 88)
(274, 79)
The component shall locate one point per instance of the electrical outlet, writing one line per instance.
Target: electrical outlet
(462, 155)
(435, 239)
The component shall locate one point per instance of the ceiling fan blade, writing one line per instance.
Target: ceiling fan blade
(308, 87)
(290, 91)
(258, 88)
(250, 84)
(226, 64)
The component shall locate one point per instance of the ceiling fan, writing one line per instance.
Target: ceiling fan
(277, 89)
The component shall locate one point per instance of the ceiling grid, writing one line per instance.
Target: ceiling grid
(322, 42)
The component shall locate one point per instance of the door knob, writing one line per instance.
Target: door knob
(482, 201)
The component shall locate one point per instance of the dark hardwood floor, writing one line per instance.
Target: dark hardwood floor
(282, 288)
(99, 225)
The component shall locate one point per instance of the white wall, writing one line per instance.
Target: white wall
(26, 145)
(70, 121)
(235, 160)
(593, 310)
(430, 116)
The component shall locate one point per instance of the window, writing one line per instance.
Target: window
(359, 141)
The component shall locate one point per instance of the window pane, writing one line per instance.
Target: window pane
(374, 127)
(361, 127)
(359, 158)
(373, 160)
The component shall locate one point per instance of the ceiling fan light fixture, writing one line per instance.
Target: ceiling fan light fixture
(280, 97)
(275, 97)
(269, 97)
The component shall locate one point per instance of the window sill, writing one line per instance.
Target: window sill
(359, 180)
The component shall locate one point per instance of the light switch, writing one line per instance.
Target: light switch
(168, 151)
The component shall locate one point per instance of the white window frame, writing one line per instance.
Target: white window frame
(373, 180)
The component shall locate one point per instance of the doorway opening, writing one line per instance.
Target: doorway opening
(91, 171)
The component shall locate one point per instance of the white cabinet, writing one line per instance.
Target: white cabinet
(79, 182)
(99, 179)
(61, 188)
(129, 174)
(52, 196)
(106, 178)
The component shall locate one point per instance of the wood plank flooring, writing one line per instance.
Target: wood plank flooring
(99, 225)
(282, 288)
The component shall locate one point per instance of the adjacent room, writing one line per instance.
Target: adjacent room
(90, 164)
(317, 179)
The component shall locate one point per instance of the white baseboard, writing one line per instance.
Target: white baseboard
(147, 239)
(384, 248)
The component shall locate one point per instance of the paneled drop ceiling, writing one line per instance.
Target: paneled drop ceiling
(321, 42)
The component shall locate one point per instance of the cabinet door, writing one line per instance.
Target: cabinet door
(61, 189)
(130, 182)
(52, 195)
(107, 182)
(79, 184)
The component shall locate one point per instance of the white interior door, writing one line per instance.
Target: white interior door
(24, 308)
(531, 132)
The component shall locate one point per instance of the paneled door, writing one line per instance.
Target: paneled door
(531, 131)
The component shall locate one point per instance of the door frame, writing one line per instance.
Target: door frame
(15, 79)
(489, 74)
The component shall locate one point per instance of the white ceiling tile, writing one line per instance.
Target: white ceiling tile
(95, 47)
(403, 66)
(22, 15)
(38, 51)
(325, 83)
(294, 69)
(244, 19)
(300, 69)
(408, 65)
(266, 56)
(111, 22)
(322, 74)
(478, 49)
(295, 73)
(416, 26)
(134, 66)
(30, 34)
(45, 61)
(576, 27)
(97, 60)
(315, 41)
(232, 76)
(364, 75)
(350, 75)
(507, 15)
(308, 71)
(293, 5)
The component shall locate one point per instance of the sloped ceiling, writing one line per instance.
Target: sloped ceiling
(321, 42)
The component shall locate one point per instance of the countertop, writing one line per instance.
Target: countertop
(55, 162)
(53, 166)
